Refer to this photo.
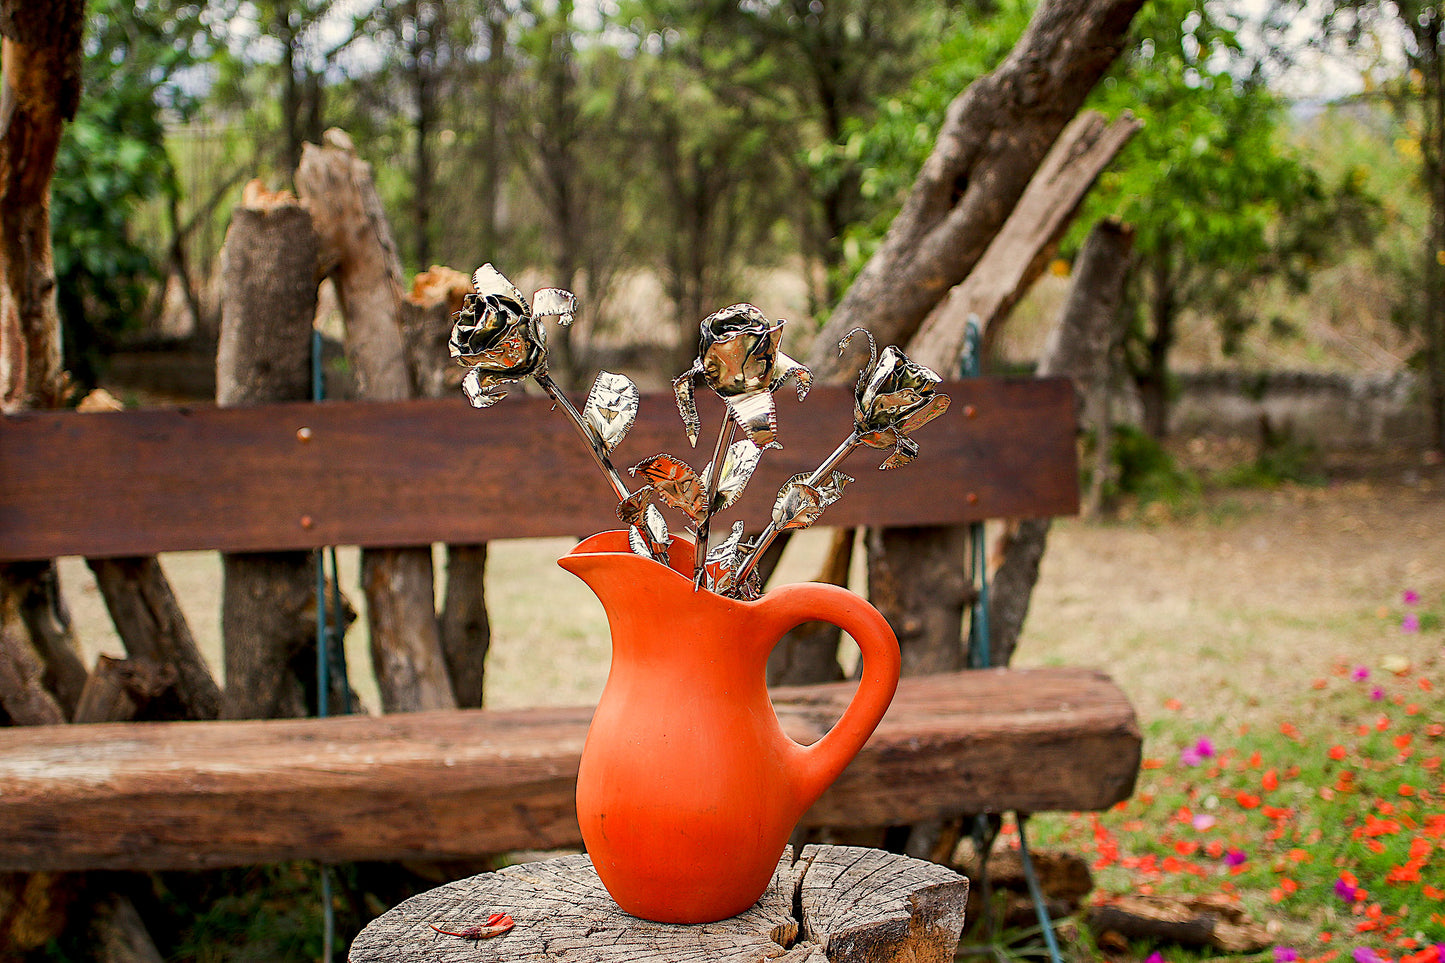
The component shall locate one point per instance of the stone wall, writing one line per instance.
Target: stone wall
(1328, 410)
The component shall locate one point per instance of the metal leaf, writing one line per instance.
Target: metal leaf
(483, 391)
(785, 368)
(554, 302)
(675, 483)
(682, 386)
(799, 504)
(722, 566)
(611, 408)
(757, 416)
(904, 452)
(739, 463)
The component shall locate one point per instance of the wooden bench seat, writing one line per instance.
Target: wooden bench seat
(433, 785)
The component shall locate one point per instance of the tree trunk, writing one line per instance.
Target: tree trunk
(153, 628)
(923, 576)
(1030, 237)
(1153, 380)
(466, 631)
(356, 240)
(1078, 347)
(41, 90)
(35, 588)
(23, 695)
(268, 602)
(993, 138)
(921, 580)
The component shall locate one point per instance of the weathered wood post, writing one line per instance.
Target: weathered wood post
(360, 256)
(271, 256)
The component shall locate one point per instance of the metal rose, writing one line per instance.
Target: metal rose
(893, 398)
(499, 337)
(739, 359)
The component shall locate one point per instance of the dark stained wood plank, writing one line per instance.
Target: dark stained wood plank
(294, 476)
(438, 785)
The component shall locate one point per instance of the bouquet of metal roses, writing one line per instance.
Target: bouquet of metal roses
(500, 339)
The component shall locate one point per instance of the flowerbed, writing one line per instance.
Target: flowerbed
(1329, 826)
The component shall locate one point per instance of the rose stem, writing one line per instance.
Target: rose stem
(821, 472)
(598, 454)
(724, 439)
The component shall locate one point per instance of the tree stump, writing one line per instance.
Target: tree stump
(833, 904)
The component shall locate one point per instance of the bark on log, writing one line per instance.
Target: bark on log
(356, 242)
(269, 299)
(35, 588)
(992, 140)
(154, 630)
(1078, 347)
(809, 653)
(832, 905)
(119, 690)
(466, 631)
(1018, 255)
(1214, 921)
(41, 90)
(23, 695)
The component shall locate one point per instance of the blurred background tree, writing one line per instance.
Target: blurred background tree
(665, 158)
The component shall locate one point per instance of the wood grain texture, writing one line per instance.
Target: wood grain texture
(832, 903)
(417, 472)
(439, 785)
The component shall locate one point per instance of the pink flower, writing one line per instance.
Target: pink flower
(1197, 753)
(1285, 954)
(1363, 954)
(1410, 624)
(1410, 596)
(1155, 957)
(1360, 674)
(1376, 694)
(1204, 822)
(1235, 857)
(1345, 890)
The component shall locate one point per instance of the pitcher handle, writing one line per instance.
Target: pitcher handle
(792, 605)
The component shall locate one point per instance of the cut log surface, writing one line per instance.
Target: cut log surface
(457, 784)
(833, 903)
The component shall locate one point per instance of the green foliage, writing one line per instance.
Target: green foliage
(111, 159)
(1145, 470)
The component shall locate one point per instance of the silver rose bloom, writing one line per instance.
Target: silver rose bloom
(893, 398)
(499, 337)
(739, 359)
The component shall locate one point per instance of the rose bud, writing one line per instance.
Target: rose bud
(893, 398)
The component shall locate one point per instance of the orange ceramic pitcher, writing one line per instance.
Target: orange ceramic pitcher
(689, 788)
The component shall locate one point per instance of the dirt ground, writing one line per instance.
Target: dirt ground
(1218, 603)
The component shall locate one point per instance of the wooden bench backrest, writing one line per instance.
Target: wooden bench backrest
(297, 476)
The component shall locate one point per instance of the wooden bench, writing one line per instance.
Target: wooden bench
(461, 783)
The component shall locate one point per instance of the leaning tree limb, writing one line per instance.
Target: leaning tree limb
(994, 136)
(1016, 258)
(356, 242)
